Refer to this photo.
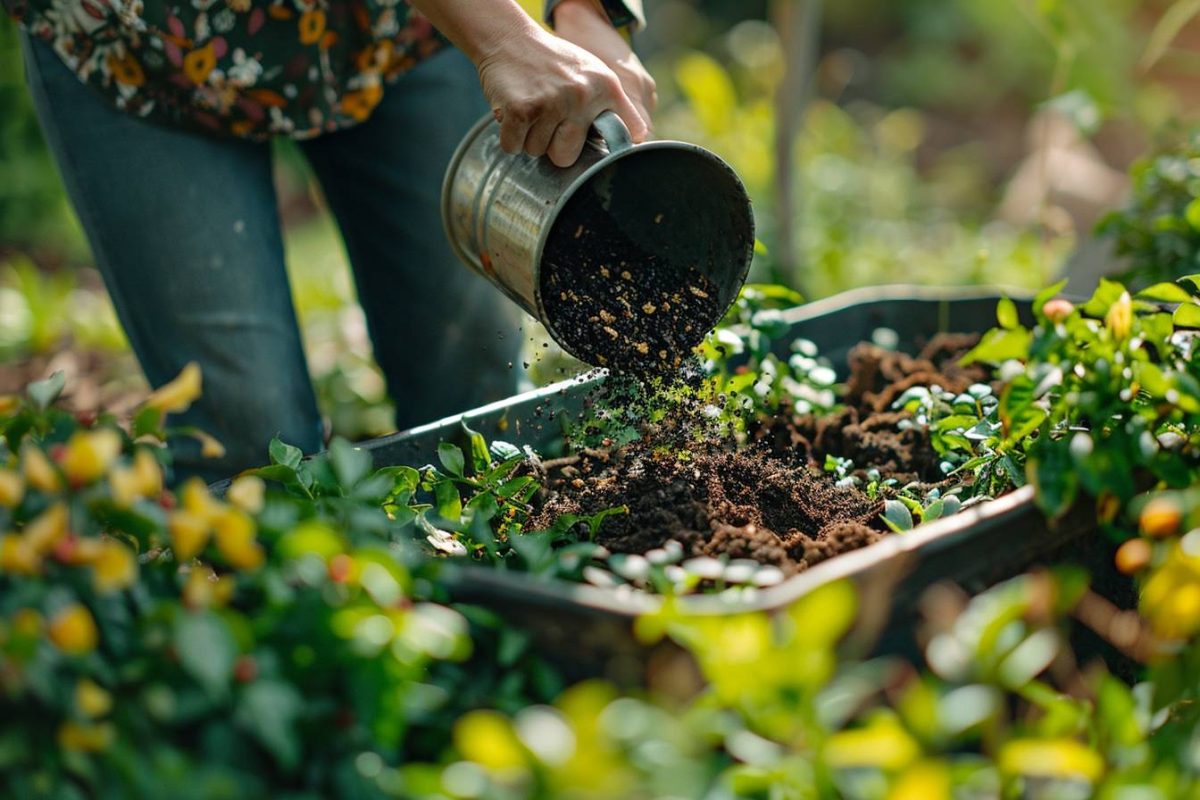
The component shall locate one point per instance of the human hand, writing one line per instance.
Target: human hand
(584, 23)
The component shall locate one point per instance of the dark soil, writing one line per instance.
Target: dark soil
(615, 305)
(866, 431)
(741, 505)
(770, 500)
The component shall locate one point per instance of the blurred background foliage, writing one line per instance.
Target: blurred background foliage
(936, 142)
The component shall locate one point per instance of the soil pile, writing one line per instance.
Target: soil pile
(736, 504)
(866, 431)
(770, 500)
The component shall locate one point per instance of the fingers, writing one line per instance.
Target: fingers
(567, 144)
(639, 126)
(537, 141)
(516, 119)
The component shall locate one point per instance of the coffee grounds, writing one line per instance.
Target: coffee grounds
(616, 305)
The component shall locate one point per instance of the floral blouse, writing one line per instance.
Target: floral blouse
(247, 68)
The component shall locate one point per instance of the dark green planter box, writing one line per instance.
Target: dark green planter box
(589, 629)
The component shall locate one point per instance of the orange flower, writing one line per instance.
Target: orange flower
(312, 25)
(359, 104)
(73, 630)
(126, 70)
(198, 64)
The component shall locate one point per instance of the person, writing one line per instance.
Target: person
(159, 114)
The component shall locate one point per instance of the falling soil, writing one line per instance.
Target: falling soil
(616, 305)
(767, 499)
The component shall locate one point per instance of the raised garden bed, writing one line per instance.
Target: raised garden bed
(590, 628)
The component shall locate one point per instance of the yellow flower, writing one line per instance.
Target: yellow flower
(178, 395)
(39, 472)
(1051, 758)
(195, 497)
(142, 479)
(85, 738)
(247, 493)
(1119, 318)
(189, 534)
(234, 530)
(884, 744)
(487, 738)
(1170, 598)
(91, 699)
(209, 446)
(89, 454)
(48, 528)
(203, 588)
(73, 630)
(12, 488)
(9, 403)
(114, 568)
(924, 780)
(18, 557)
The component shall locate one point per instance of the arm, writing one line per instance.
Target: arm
(544, 90)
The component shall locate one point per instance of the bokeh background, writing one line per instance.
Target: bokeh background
(939, 142)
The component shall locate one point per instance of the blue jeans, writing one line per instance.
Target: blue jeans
(185, 230)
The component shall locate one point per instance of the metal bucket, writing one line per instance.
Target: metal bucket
(675, 200)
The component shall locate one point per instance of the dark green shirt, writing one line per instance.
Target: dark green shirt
(247, 68)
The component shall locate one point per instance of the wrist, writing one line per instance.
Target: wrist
(491, 36)
(579, 12)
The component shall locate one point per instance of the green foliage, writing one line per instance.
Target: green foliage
(1159, 232)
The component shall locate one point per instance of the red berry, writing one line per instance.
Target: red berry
(245, 669)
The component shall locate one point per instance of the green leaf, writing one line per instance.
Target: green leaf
(1164, 293)
(481, 458)
(1107, 293)
(897, 516)
(449, 501)
(1049, 293)
(350, 464)
(1006, 314)
(268, 709)
(148, 422)
(452, 459)
(206, 650)
(999, 345)
(1187, 315)
(284, 454)
(1018, 411)
(933, 511)
(43, 393)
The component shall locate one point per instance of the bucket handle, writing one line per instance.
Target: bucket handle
(613, 131)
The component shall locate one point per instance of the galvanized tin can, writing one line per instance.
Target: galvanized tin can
(676, 200)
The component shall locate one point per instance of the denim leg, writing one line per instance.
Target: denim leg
(436, 326)
(185, 231)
